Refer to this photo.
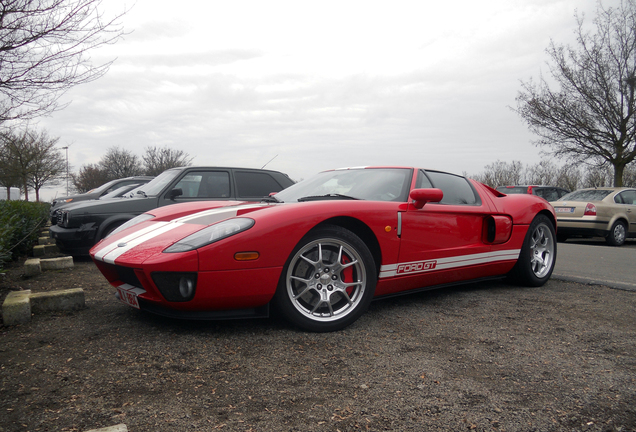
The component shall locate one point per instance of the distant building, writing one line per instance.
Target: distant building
(15, 193)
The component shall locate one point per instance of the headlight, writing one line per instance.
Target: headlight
(134, 221)
(211, 234)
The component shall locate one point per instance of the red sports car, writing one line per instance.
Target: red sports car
(323, 248)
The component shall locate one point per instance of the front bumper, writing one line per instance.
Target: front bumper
(75, 241)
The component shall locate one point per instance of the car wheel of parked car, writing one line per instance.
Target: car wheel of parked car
(109, 230)
(328, 280)
(617, 234)
(538, 254)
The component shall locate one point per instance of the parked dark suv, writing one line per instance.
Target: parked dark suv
(98, 192)
(549, 193)
(80, 226)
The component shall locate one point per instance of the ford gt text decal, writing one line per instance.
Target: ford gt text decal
(399, 269)
(416, 267)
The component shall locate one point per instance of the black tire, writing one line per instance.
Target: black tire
(328, 281)
(617, 234)
(538, 254)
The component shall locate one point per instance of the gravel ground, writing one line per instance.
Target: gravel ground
(483, 357)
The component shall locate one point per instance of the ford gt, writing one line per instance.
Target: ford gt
(321, 250)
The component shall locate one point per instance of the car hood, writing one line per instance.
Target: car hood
(169, 225)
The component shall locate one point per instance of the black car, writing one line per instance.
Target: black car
(80, 226)
(94, 194)
(549, 193)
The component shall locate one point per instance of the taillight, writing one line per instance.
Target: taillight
(530, 189)
(590, 210)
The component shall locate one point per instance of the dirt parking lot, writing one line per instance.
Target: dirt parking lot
(486, 357)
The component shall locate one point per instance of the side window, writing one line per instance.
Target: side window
(562, 192)
(255, 184)
(457, 190)
(627, 197)
(205, 184)
(189, 185)
(422, 181)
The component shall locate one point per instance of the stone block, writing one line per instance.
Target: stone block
(56, 263)
(117, 428)
(39, 250)
(45, 241)
(32, 267)
(16, 308)
(59, 300)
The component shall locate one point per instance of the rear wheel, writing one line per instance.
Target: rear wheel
(328, 281)
(538, 254)
(617, 234)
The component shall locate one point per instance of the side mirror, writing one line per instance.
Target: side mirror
(175, 193)
(422, 196)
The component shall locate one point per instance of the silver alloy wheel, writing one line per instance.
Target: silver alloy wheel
(619, 233)
(542, 250)
(326, 280)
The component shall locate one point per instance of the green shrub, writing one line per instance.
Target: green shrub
(20, 222)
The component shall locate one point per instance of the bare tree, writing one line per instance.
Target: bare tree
(591, 114)
(48, 165)
(9, 176)
(44, 48)
(119, 163)
(568, 177)
(89, 177)
(543, 173)
(597, 177)
(30, 160)
(629, 177)
(157, 160)
(501, 174)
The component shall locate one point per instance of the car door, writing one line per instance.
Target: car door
(443, 242)
(200, 185)
(627, 199)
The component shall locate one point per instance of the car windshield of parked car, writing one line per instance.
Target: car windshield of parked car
(374, 184)
(156, 185)
(119, 191)
(512, 189)
(586, 195)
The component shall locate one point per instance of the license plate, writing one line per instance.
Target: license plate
(128, 296)
(564, 209)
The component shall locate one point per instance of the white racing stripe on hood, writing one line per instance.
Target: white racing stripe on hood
(113, 254)
(207, 217)
(105, 249)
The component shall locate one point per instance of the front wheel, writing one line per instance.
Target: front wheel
(538, 254)
(617, 234)
(328, 281)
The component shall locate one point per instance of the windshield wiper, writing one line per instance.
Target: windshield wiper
(327, 197)
(271, 199)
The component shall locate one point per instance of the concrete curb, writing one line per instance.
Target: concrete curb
(35, 266)
(41, 250)
(19, 305)
(117, 428)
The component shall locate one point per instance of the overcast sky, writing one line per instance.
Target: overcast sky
(318, 85)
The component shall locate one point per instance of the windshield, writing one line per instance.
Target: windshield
(373, 184)
(156, 185)
(513, 189)
(119, 191)
(586, 195)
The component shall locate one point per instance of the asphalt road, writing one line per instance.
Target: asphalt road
(591, 261)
